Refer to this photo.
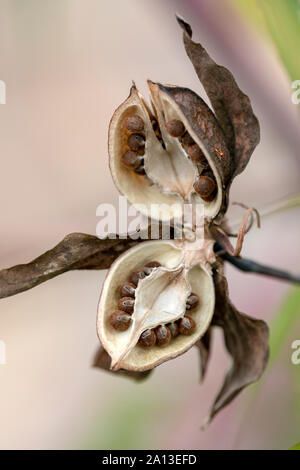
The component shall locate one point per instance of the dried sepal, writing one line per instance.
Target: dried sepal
(232, 107)
(246, 340)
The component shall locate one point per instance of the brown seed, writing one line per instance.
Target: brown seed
(135, 141)
(163, 335)
(187, 325)
(134, 123)
(204, 186)
(150, 266)
(120, 320)
(136, 276)
(195, 153)
(147, 339)
(174, 329)
(127, 290)
(126, 304)
(187, 139)
(175, 128)
(131, 159)
(192, 301)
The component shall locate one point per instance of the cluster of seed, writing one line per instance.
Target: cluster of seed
(133, 157)
(120, 319)
(205, 185)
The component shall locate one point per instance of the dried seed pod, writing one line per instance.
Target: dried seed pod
(136, 276)
(192, 301)
(163, 335)
(187, 325)
(134, 123)
(131, 159)
(195, 153)
(136, 141)
(148, 268)
(126, 304)
(174, 329)
(128, 290)
(160, 299)
(175, 128)
(204, 186)
(120, 320)
(147, 339)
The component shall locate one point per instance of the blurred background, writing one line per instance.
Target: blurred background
(67, 65)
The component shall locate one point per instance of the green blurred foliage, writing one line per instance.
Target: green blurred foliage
(280, 19)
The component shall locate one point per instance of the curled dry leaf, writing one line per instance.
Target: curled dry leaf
(169, 174)
(232, 107)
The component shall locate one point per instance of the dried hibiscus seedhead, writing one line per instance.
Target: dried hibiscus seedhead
(179, 151)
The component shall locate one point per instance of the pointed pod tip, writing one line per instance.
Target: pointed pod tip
(184, 25)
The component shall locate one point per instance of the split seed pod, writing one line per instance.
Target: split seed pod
(169, 171)
(160, 299)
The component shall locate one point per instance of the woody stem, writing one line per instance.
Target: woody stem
(248, 265)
